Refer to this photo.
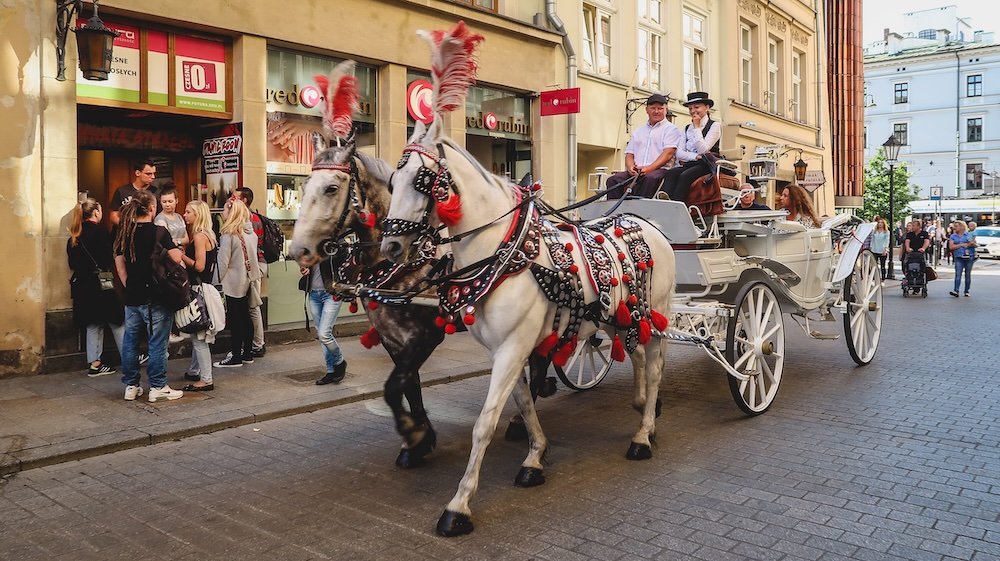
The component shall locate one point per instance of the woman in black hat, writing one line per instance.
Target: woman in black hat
(701, 136)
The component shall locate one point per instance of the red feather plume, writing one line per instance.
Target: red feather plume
(453, 65)
(450, 211)
(371, 338)
(340, 94)
(617, 350)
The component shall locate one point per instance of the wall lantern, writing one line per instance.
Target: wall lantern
(800, 169)
(94, 41)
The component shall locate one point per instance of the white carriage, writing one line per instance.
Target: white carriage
(737, 274)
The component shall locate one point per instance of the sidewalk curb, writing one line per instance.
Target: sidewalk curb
(97, 445)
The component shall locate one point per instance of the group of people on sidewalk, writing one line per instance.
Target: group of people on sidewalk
(957, 242)
(112, 285)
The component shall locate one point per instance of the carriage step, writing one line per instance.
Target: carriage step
(817, 335)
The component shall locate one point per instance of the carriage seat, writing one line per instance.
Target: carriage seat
(670, 217)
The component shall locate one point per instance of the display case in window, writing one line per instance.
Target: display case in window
(284, 196)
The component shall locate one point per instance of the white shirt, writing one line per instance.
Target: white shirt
(649, 141)
(696, 141)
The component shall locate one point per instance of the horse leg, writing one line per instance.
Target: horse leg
(530, 474)
(538, 367)
(508, 367)
(422, 439)
(640, 449)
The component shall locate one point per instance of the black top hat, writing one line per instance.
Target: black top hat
(698, 97)
(656, 98)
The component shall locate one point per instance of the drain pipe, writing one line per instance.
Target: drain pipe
(553, 19)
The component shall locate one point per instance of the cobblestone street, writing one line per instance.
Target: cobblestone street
(896, 460)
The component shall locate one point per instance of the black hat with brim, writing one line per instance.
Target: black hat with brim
(698, 97)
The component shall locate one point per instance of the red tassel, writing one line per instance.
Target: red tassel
(353, 306)
(562, 355)
(623, 317)
(547, 344)
(450, 328)
(371, 338)
(659, 321)
(372, 305)
(469, 319)
(617, 350)
(450, 211)
(440, 322)
(645, 333)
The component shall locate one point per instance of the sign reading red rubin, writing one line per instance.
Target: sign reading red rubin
(418, 101)
(560, 102)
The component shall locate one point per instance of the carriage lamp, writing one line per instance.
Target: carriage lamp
(94, 41)
(891, 149)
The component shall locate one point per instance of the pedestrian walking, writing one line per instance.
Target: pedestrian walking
(200, 258)
(880, 245)
(237, 271)
(96, 303)
(256, 317)
(137, 236)
(963, 249)
(325, 310)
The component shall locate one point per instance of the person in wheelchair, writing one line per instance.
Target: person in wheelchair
(649, 152)
(701, 136)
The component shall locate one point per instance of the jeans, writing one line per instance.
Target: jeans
(240, 326)
(156, 321)
(325, 311)
(882, 259)
(201, 359)
(963, 264)
(95, 340)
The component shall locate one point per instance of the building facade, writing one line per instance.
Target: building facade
(221, 97)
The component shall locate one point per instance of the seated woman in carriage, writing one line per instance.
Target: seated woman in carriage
(796, 201)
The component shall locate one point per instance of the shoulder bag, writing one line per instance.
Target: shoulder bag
(105, 278)
(253, 295)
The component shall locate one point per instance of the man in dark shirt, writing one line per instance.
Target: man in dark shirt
(916, 239)
(145, 173)
(748, 199)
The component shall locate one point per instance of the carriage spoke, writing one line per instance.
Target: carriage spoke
(768, 373)
(770, 332)
(746, 356)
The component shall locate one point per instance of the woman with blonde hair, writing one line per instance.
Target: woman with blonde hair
(95, 302)
(200, 258)
(238, 270)
(796, 201)
(880, 244)
(963, 248)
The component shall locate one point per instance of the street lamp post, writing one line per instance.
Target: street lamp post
(891, 148)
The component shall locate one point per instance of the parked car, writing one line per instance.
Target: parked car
(988, 242)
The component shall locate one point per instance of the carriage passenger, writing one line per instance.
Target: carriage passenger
(701, 136)
(748, 200)
(796, 201)
(649, 153)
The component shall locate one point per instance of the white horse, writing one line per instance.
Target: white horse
(436, 181)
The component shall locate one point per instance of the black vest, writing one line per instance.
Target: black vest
(708, 126)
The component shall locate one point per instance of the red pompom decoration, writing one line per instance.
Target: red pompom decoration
(650, 263)
(621, 256)
(371, 338)
(626, 278)
(450, 328)
(562, 355)
(536, 186)
(659, 321)
(469, 319)
(623, 317)
(367, 218)
(573, 268)
(617, 350)
(547, 344)
(614, 281)
(619, 232)
(641, 266)
(569, 246)
(372, 304)
(632, 299)
(599, 238)
(645, 333)
(450, 211)
(440, 321)
(353, 307)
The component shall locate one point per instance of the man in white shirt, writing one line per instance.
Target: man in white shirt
(649, 153)
(701, 136)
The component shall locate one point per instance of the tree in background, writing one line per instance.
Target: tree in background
(876, 197)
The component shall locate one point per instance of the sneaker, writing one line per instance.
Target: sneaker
(143, 358)
(102, 370)
(248, 359)
(953, 293)
(260, 351)
(966, 294)
(176, 338)
(132, 392)
(228, 362)
(164, 394)
(192, 377)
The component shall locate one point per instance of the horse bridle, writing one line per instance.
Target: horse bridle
(357, 202)
(436, 186)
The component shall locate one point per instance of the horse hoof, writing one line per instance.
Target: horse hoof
(638, 451)
(408, 459)
(427, 444)
(516, 432)
(529, 477)
(548, 388)
(659, 407)
(453, 524)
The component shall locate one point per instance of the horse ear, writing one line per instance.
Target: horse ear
(319, 142)
(419, 129)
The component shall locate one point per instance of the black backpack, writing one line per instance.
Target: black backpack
(273, 240)
(168, 284)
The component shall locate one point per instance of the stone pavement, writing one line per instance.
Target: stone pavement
(55, 418)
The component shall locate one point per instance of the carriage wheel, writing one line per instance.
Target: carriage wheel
(755, 346)
(590, 363)
(863, 317)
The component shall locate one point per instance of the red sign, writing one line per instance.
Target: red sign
(490, 120)
(560, 102)
(309, 96)
(418, 101)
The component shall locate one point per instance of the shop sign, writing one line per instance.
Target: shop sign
(490, 121)
(418, 101)
(560, 102)
(222, 156)
(290, 84)
(200, 73)
(105, 137)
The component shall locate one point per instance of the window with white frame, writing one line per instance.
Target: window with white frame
(773, 101)
(596, 40)
(747, 33)
(795, 99)
(649, 59)
(694, 52)
(649, 10)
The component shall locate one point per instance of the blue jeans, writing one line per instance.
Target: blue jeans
(157, 322)
(324, 312)
(201, 359)
(963, 264)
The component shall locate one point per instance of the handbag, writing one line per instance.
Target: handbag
(194, 317)
(253, 295)
(106, 279)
